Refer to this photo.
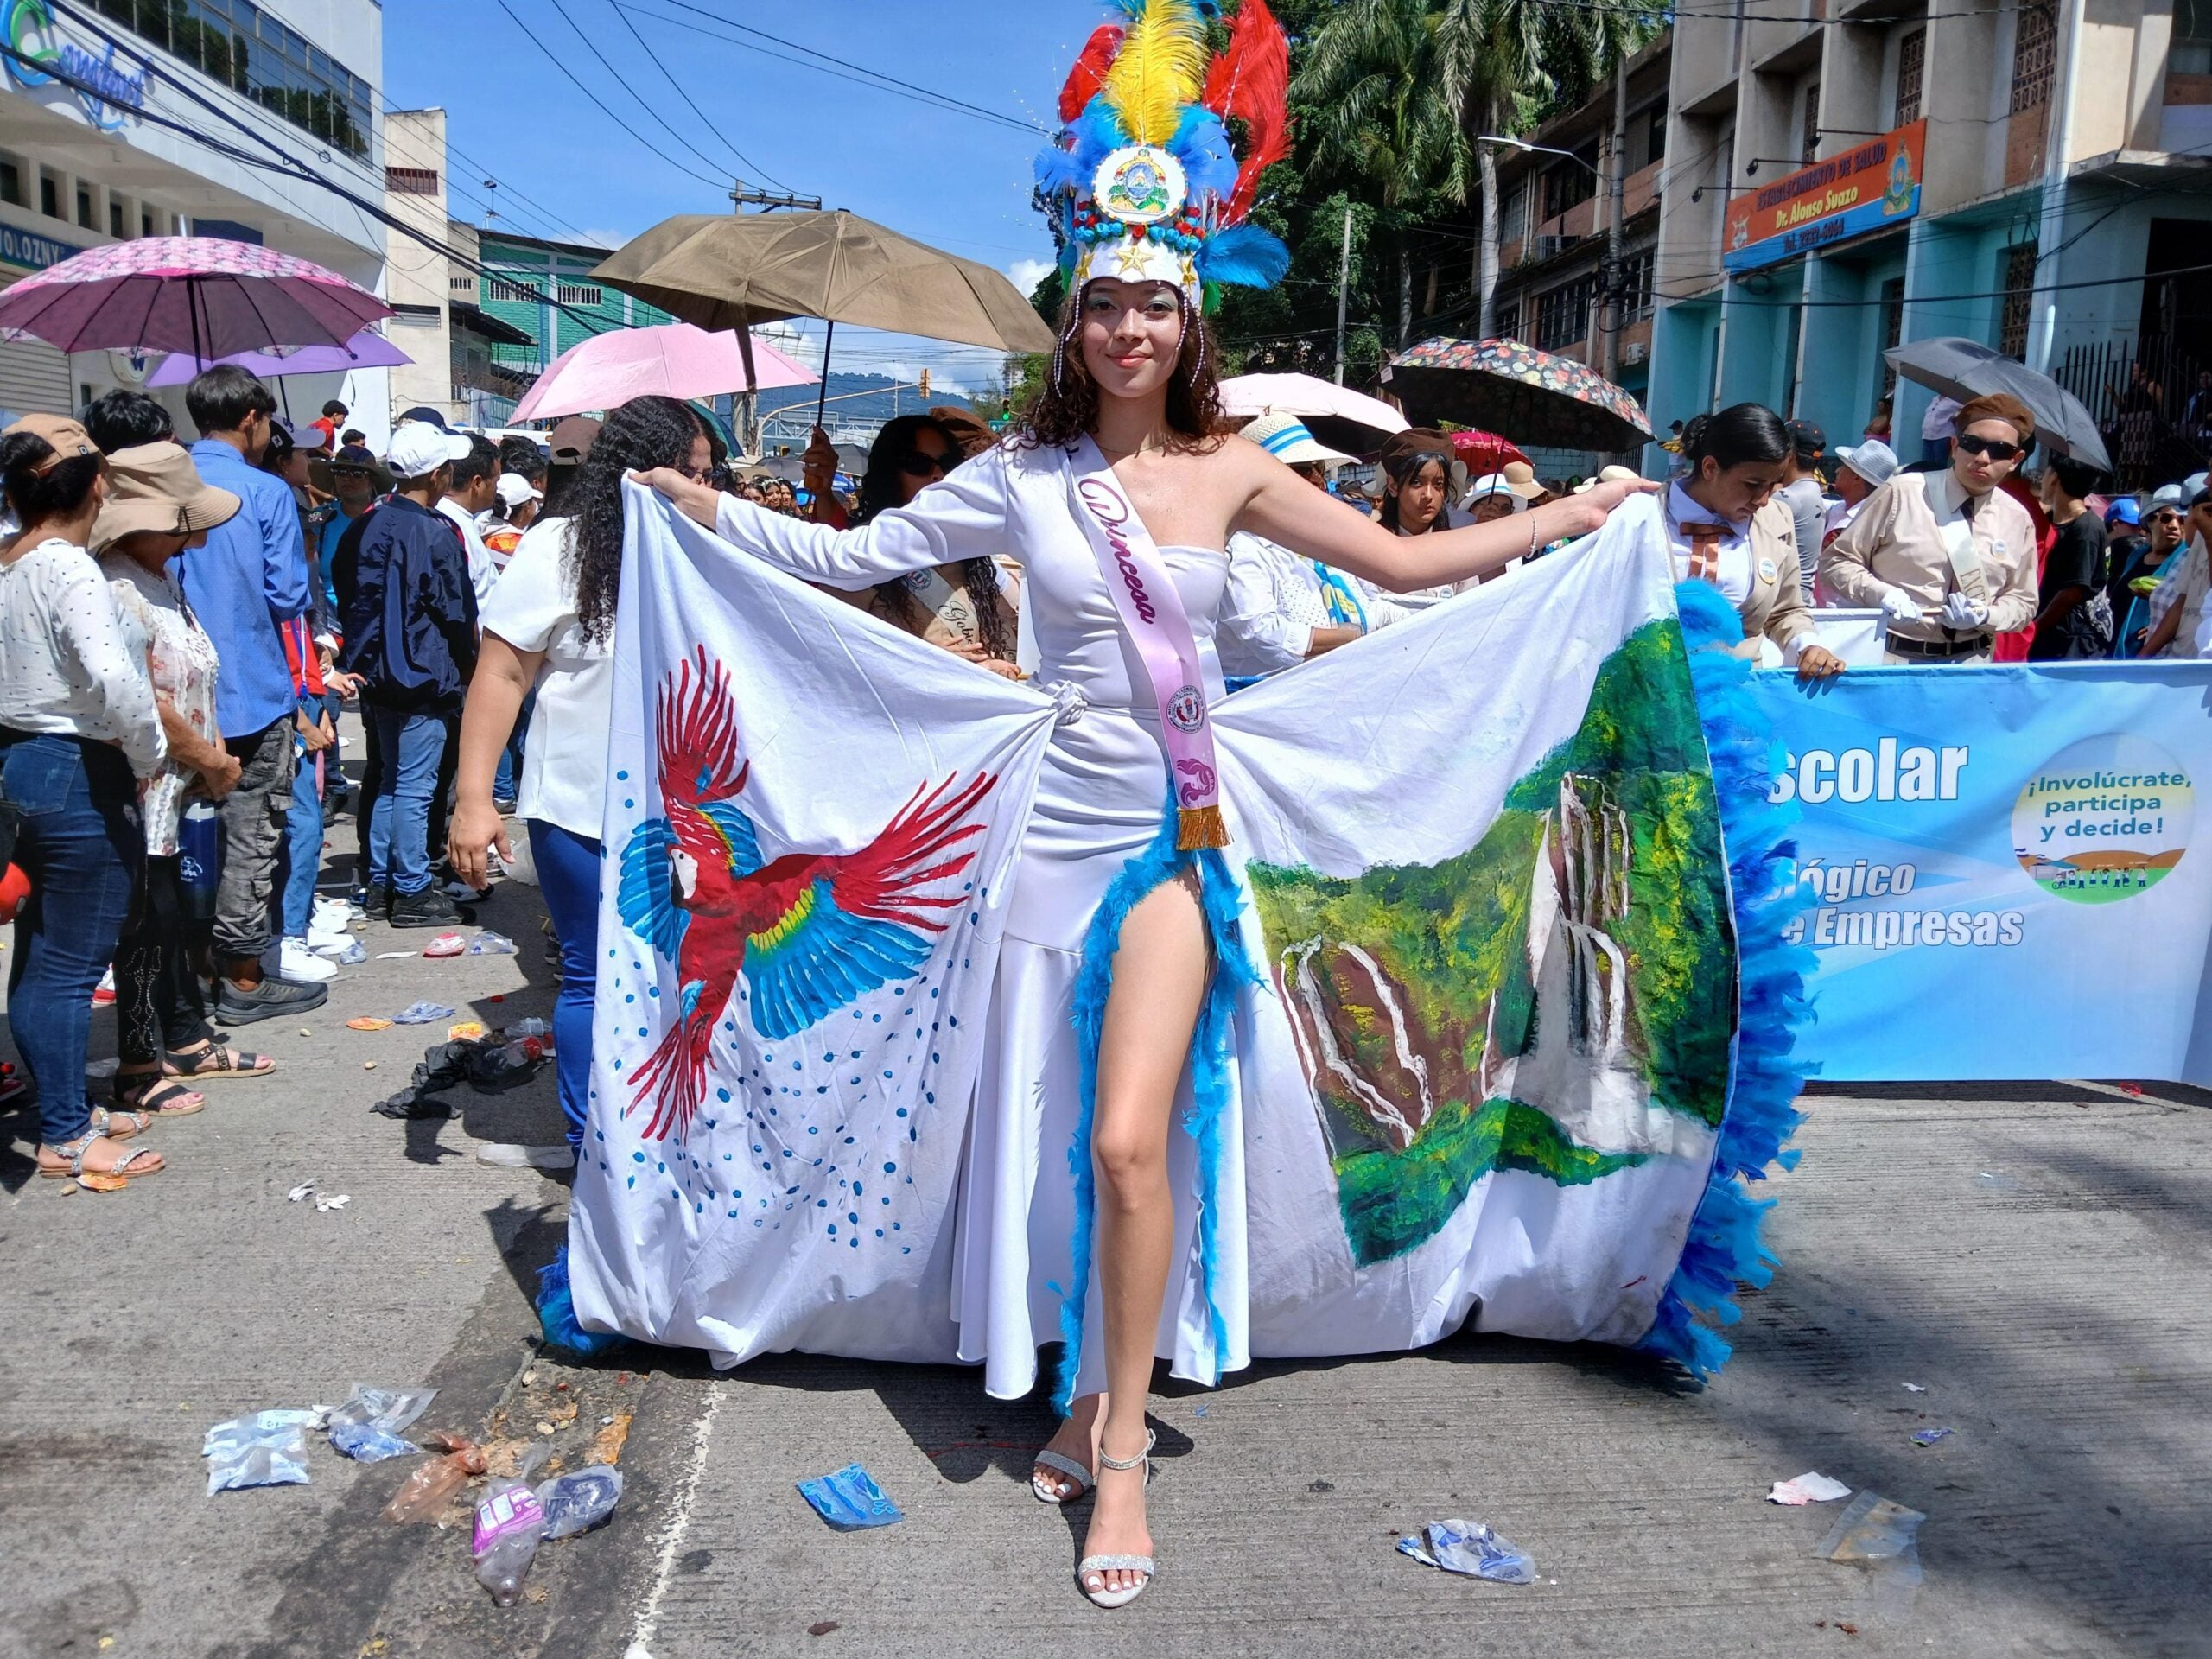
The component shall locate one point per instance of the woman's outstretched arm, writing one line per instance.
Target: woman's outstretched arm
(961, 516)
(1287, 510)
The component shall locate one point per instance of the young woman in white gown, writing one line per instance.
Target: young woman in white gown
(1136, 382)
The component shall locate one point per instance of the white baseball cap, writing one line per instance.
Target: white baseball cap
(418, 450)
(514, 489)
(1873, 460)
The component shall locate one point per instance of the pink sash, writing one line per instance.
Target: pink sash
(1152, 611)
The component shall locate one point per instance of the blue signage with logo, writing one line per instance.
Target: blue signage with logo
(109, 89)
(31, 251)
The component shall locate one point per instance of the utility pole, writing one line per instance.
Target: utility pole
(1614, 295)
(1344, 281)
(748, 419)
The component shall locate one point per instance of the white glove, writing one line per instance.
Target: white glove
(1963, 613)
(1899, 606)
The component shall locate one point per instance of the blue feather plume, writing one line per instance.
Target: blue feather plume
(1244, 255)
(1201, 143)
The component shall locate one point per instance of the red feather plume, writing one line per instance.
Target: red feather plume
(1251, 82)
(1089, 72)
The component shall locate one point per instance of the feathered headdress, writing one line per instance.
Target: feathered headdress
(1143, 181)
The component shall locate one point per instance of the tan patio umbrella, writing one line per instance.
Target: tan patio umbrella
(727, 271)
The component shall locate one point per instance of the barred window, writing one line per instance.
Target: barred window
(498, 288)
(412, 180)
(1563, 314)
(2019, 293)
(577, 294)
(1507, 322)
(2035, 50)
(1812, 145)
(1912, 63)
(1635, 286)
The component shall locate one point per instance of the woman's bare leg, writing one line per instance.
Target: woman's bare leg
(1160, 981)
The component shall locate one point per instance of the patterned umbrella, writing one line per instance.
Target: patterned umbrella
(198, 294)
(1531, 396)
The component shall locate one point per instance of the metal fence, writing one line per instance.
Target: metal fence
(2152, 403)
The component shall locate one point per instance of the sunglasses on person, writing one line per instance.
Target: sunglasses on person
(2163, 515)
(919, 462)
(1995, 448)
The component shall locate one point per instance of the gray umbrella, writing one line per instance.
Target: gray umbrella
(1966, 369)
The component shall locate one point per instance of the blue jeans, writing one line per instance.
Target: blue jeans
(80, 844)
(303, 835)
(568, 874)
(399, 823)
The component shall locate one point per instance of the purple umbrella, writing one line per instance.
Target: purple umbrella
(366, 350)
(198, 294)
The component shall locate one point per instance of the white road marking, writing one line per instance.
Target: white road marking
(679, 1524)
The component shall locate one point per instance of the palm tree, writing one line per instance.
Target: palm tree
(1398, 90)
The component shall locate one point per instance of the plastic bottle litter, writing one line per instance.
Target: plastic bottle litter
(579, 1500)
(509, 1524)
(850, 1499)
(421, 1014)
(269, 1448)
(488, 943)
(531, 1026)
(426, 1492)
(366, 1429)
(1470, 1548)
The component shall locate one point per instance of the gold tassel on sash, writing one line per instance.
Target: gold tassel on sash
(1199, 827)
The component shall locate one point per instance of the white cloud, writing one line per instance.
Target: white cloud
(1025, 274)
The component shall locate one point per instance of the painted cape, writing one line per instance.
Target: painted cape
(1473, 1053)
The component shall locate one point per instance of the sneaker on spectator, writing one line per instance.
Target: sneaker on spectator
(296, 962)
(428, 908)
(503, 805)
(103, 993)
(272, 999)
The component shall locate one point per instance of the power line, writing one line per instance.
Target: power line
(594, 98)
(823, 63)
(744, 161)
(562, 12)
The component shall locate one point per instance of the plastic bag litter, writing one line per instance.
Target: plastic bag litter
(1808, 1488)
(850, 1499)
(366, 1429)
(1883, 1536)
(421, 1014)
(1929, 1436)
(488, 1067)
(269, 1448)
(579, 1500)
(488, 943)
(508, 1526)
(445, 945)
(1470, 1548)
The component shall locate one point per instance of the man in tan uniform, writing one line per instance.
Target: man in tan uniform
(1947, 556)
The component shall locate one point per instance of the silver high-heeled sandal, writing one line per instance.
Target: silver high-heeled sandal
(1062, 1465)
(1101, 1565)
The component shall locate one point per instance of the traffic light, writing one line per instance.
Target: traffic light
(925, 383)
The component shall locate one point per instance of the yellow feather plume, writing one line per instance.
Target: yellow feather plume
(1161, 68)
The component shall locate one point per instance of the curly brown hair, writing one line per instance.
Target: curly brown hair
(1067, 408)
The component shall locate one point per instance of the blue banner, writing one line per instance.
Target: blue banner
(2005, 874)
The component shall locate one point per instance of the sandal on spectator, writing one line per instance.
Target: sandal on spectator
(121, 1124)
(130, 1164)
(217, 1060)
(150, 1091)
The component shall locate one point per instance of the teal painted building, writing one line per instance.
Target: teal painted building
(545, 290)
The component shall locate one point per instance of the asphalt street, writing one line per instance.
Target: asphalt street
(2034, 1257)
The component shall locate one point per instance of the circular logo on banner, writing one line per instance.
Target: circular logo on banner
(1187, 709)
(2104, 819)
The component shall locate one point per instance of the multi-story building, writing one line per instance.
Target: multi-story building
(1552, 290)
(545, 291)
(1846, 175)
(110, 111)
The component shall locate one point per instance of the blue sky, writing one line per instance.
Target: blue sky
(956, 181)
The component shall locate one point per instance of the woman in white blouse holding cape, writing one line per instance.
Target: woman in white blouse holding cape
(1130, 427)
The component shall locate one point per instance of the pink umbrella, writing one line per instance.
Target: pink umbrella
(198, 294)
(366, 350)
(673, 360)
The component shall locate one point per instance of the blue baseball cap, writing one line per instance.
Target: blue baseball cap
(2123, 512)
